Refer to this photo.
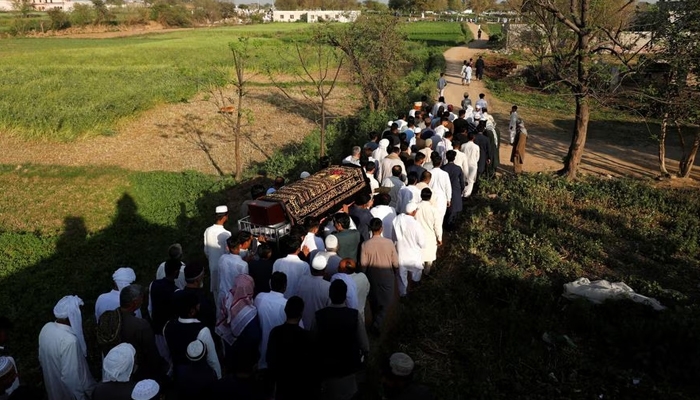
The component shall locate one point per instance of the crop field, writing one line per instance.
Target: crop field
(61, 89)
(436, 33)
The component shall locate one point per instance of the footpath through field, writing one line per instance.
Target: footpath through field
(548, 140)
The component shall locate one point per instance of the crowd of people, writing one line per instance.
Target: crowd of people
(285, 320)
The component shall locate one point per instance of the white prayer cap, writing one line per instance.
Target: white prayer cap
(69, 307)
(390, 123)
(304, 175)
(123, 277)
(195, 350)
(417, 130)
(331, 242)
(221, 209)
(401, 364)
(145, 390)
(119, 363)
(6, 366)
(320, 262)
(428, 142)
(384, 143)
(411, 207)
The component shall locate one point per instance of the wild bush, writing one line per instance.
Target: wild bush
(59, 19)
(82, 15)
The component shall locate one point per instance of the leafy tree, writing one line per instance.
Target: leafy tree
(374, 46)
(579, 34)
(375, 6)
(677, 94)
(82, 15)
(480, 6)
(102, 14)
(59, 19)
(23, 7)
(287, 5)
(207, 11)
(455, 5)
(400, 4)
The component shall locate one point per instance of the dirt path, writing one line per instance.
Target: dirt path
(618, 153)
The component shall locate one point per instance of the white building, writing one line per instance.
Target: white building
(315, 16)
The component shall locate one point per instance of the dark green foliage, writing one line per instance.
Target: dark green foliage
(476, 328)
(169, 14)
(59, 19)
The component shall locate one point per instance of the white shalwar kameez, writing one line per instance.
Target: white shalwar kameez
(295, 269)
(230, 266)
(442, 188)
(428, 217)
(471, 150)
(410, 240)
(214, 247)
(66, 372)
(387, 215)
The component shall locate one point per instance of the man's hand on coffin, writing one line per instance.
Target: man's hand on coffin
(346, 207)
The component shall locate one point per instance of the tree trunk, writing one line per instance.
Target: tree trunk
(685, 167)
(237, 139)
(662, 145)
(578, 138)
(323, 127)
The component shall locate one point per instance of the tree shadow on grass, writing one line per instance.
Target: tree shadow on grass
(82, 264)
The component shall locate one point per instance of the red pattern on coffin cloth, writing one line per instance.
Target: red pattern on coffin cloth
(319, 193)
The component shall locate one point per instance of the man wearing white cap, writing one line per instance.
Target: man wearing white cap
(331, 255)
(122, 277)
(146, 389)
(304, 175)
(313, 289)
(62, 353)
(214, 247)
(410, 240)
(398, 380)
(117, 367)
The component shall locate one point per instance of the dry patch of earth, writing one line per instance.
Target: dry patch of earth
(187, 136)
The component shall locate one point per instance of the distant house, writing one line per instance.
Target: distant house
(315, 16)
(65, 5)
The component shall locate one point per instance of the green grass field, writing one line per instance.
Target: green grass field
(490, 322)
(60, 89)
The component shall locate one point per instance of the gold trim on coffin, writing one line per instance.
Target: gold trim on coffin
(315, 195)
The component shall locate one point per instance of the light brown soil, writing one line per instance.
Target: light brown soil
(617, 150)
(107, 32)
(186, 136)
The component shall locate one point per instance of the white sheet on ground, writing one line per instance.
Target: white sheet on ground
(599, 291)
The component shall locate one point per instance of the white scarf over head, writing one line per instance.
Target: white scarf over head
(119, 363)
(124, 277)
(69, 307)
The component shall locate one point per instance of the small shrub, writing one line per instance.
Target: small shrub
(82, 15)
(135, 15)
(59, 19)
(172, 15)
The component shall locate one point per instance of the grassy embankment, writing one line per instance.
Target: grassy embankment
(491, 323)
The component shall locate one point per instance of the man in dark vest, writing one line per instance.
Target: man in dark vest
(138, 333)
(186, 328)
(342, 342)
(160, 303)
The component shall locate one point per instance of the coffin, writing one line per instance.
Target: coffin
(321, 193)
(266, 212)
